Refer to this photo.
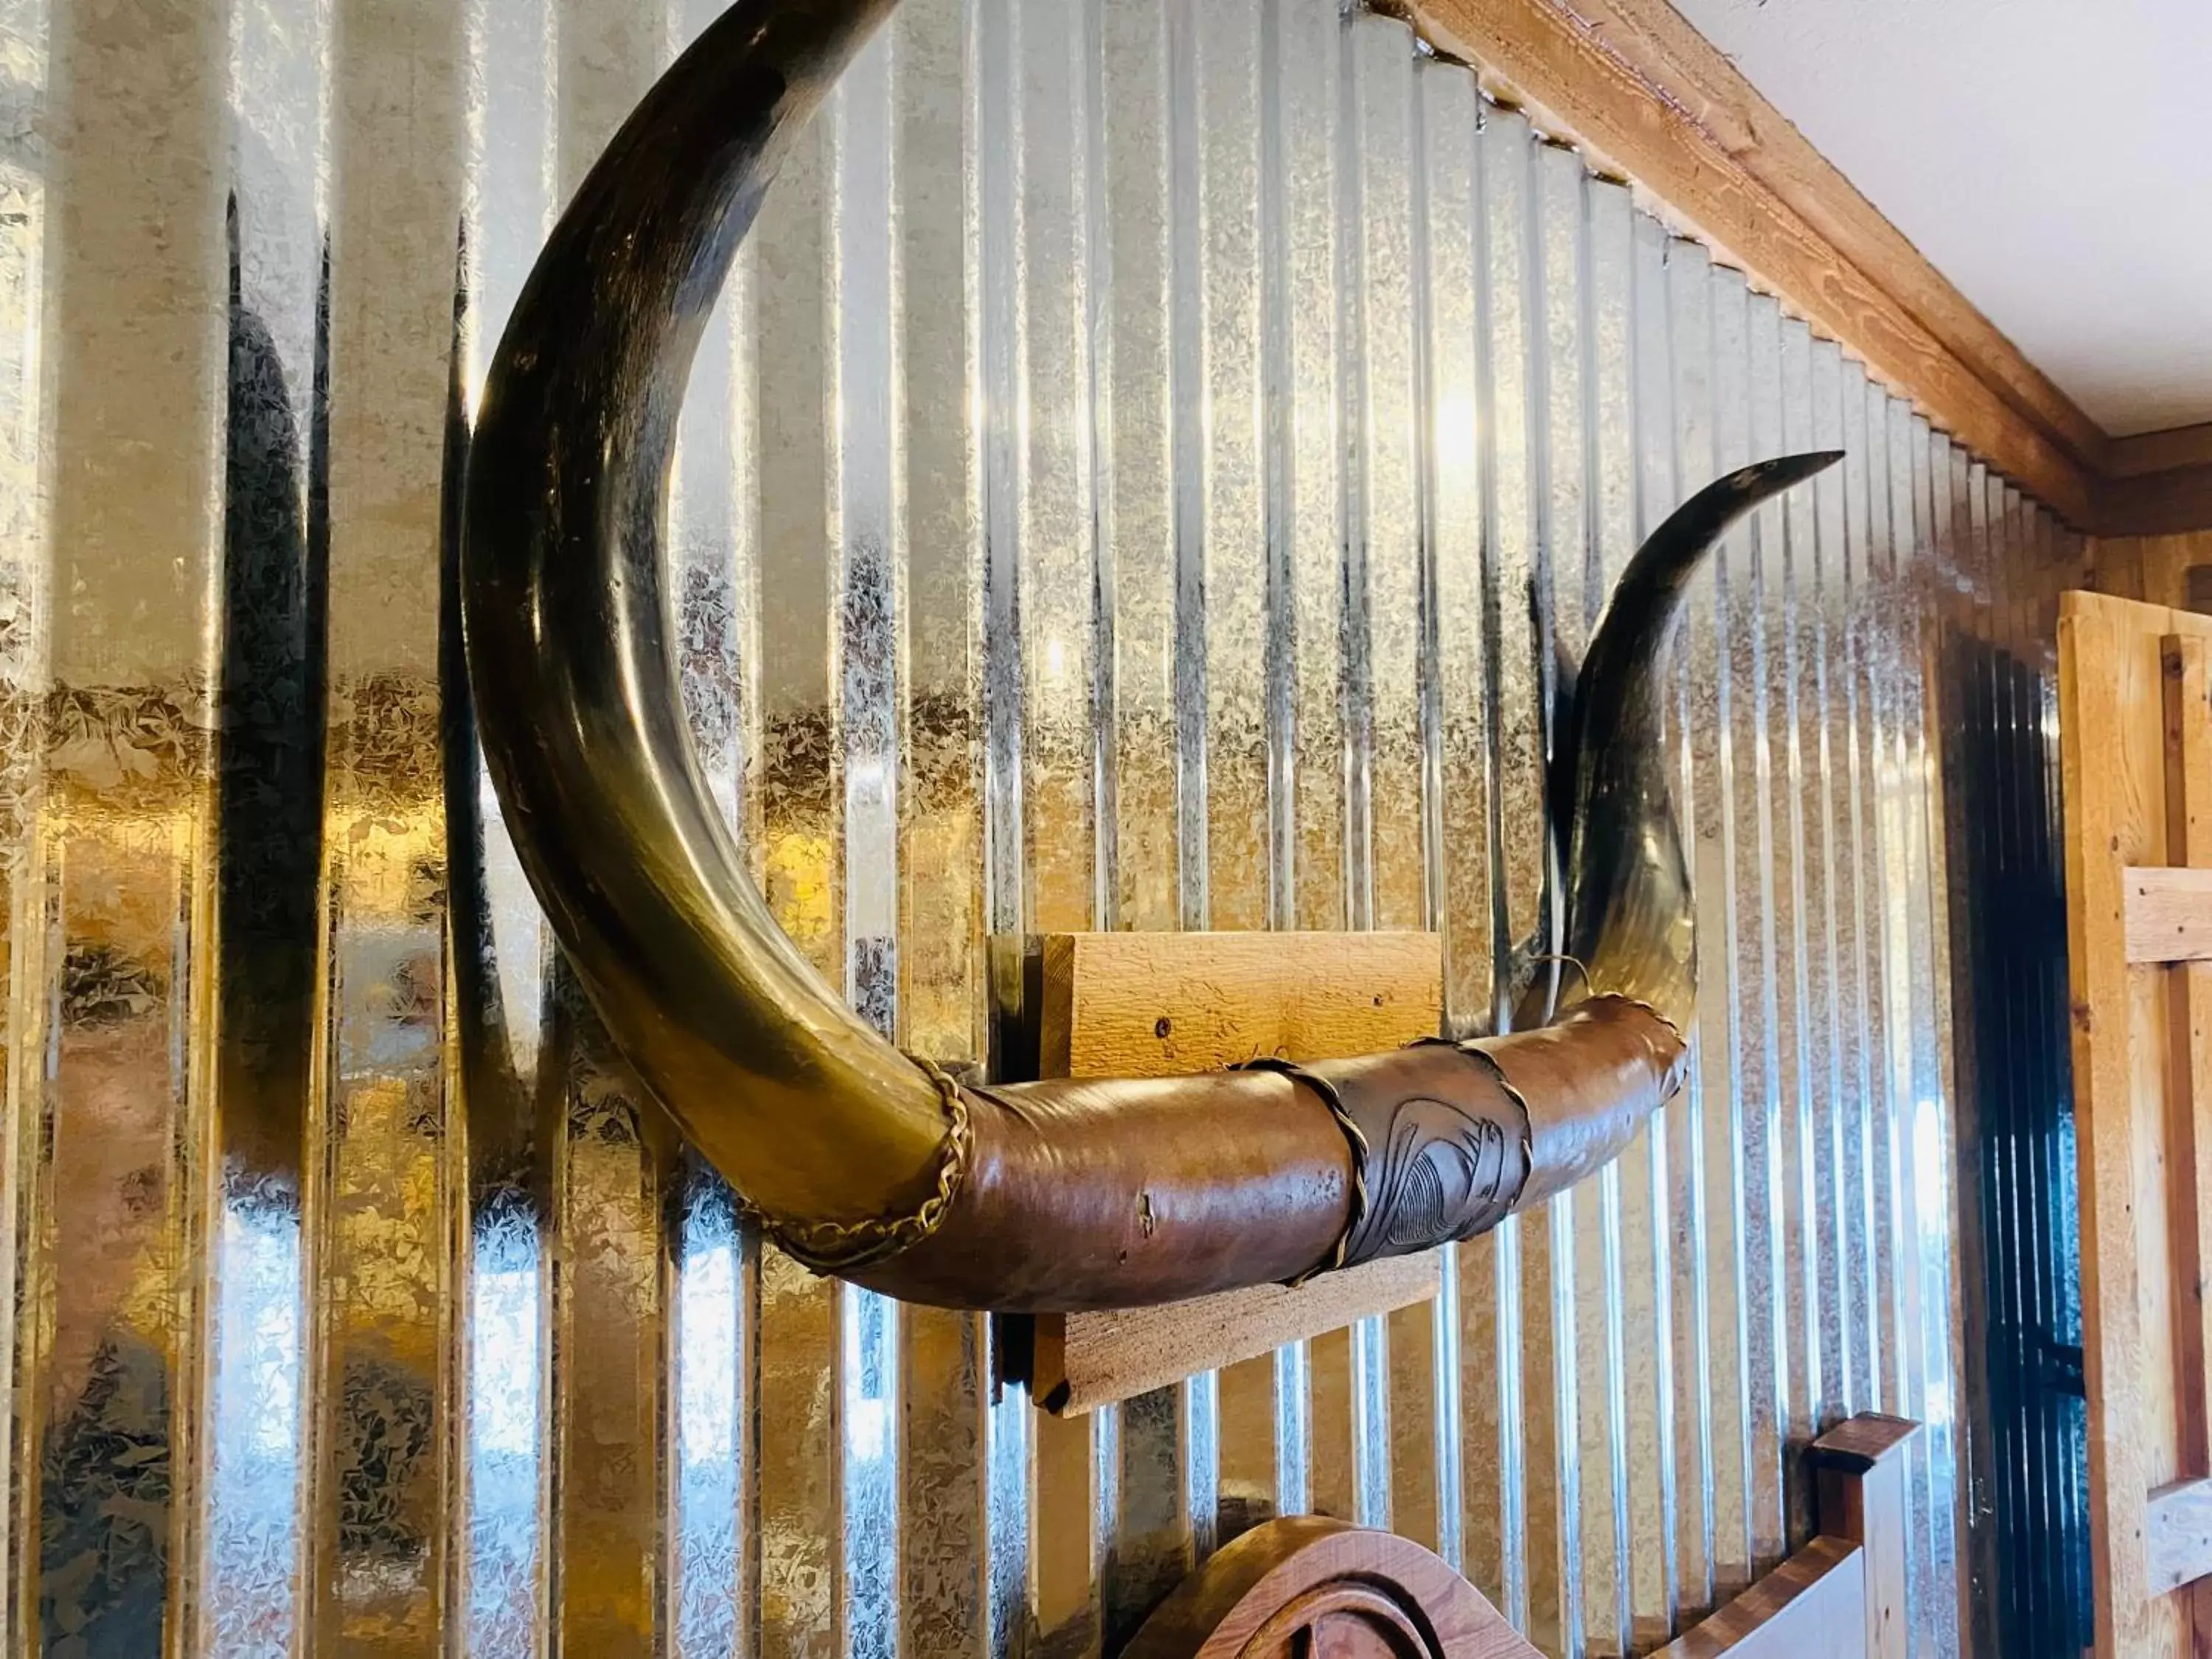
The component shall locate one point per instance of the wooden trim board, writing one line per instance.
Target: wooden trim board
(1083, 1361)
(2171, 502)
(2169, 451)
(1161, 1005)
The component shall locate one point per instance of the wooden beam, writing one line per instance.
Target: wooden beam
(2161, 452)
(1630, 82)
(2168, 915)
(2112, 733)
(2171, 503)
(2187, 664)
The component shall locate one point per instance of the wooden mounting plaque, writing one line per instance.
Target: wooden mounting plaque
(1162, 1005)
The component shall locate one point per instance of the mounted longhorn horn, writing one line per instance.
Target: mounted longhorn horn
(1040, 1197)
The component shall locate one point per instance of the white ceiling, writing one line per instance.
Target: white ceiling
(2052, 158)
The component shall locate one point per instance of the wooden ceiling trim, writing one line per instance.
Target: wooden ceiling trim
(2171, 503)
(2161, 452)
(1630, 82)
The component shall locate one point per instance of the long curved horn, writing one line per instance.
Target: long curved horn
(860, 1161)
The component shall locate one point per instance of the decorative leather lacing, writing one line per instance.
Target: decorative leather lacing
(1352, 1134)
(841, 1247)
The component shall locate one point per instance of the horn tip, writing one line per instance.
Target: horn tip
(1787, 469)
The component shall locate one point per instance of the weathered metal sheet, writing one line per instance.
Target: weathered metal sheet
(1149, 473)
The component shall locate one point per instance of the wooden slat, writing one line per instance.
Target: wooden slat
(2178, 1538)
(2112, 741)
(1084, 1361)
(2168, 915)
(1161, 1005)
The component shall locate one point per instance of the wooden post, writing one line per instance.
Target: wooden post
(1861, 1470)
(2135, 733)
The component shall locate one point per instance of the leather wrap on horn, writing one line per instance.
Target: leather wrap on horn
(1033, 1197)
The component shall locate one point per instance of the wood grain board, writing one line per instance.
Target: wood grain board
(2135, 733)
(1166, 1005)
(2168, 915)
(2178, 1536)
(1161, 1005)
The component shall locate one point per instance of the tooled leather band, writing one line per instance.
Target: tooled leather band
(1446, 1142)
(1438, 1152)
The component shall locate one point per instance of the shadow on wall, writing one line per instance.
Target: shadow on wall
(2011, 903)
(107, 1475)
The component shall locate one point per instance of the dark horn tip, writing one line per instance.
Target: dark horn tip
(1785, 470)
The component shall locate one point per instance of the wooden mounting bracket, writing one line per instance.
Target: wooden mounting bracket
(1163, 1004)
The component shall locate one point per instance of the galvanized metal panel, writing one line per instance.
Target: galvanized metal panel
(1153, 469)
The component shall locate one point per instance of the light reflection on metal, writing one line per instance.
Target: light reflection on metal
(1020, 1198)
(396, 129)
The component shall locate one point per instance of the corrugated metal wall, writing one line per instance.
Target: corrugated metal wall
(1220, 425)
